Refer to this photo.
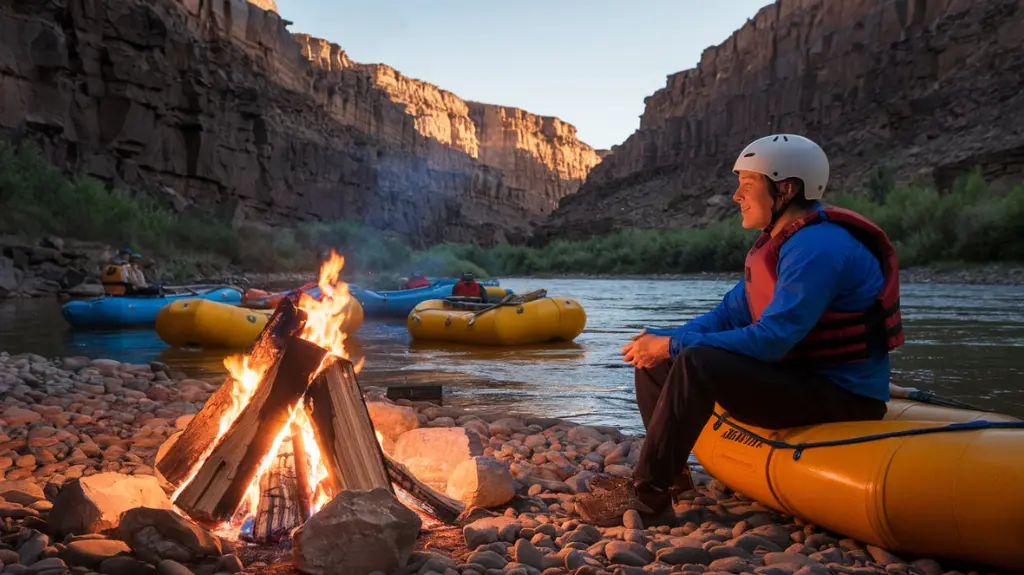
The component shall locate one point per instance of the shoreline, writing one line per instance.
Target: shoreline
(67, 420)
(988, 274)
(69, 268)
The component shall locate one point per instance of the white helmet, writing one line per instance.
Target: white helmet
(782, 156)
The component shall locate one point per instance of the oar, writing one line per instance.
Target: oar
(509, 299)
(501, 302)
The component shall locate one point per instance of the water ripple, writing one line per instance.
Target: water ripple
(963, 342)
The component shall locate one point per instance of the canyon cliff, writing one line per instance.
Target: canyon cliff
(924, 90)
(217, 106)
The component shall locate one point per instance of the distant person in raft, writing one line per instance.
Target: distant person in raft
(124, 276)
(804, 338)
(416, 280)
(467, 286)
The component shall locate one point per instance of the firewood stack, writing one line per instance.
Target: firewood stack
(260, 443)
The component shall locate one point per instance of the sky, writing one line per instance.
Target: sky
(588, 62)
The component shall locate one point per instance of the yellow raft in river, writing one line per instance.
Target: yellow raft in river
(518, 321)
(193, 323)
(899, 484)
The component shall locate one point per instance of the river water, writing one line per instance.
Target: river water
(964, 342)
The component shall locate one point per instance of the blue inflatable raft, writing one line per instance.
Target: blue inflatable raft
(137, 310)
(398, 303)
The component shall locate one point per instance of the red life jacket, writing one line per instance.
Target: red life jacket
(416, 283)
(471, 289)
(838, 337)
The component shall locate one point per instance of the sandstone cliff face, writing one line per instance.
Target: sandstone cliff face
(265, 4)
(541, 158)
(930, 88)
(216, 104)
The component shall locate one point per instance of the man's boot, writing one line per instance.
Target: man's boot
(610, 497)
(682, 484)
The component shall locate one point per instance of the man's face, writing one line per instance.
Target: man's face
(754, 199)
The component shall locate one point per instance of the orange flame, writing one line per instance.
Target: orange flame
(325, 322)
(244, 379)
(326, 317)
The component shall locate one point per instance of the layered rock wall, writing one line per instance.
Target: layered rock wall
(216, 104)
(540, 156)
(926, 88)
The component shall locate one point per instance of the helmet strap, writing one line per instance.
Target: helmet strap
(774, 192)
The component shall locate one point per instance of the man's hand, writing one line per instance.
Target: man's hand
(900, 391)
(646, 350)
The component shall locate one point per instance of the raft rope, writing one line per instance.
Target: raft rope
(510, 299)
(800, 447)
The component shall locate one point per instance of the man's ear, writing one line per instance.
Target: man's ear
(787, 189)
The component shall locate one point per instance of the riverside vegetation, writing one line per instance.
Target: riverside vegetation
(970, 224)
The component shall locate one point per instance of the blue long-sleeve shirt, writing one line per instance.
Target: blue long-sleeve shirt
(822, 267)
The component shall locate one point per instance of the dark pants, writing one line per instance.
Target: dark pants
(677, 397)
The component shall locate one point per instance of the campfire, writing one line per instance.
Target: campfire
(288, 431)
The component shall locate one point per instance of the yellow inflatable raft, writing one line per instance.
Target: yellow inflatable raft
(513, 323)
(900, 484)
(193, 323)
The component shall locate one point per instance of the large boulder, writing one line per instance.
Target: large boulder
(358, 532)
(391, 421)
(158, 534)
(481, 482)
(433, 453)
(95, 503)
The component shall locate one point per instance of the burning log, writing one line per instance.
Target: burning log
(296, 373)
(302, 475)
(202, 431)
(282, 503)
(344, 430)
(348, 442)
(444, 508)
(218, 488)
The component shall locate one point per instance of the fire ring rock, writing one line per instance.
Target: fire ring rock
(95, 503)
(156, 534)
(358, 532)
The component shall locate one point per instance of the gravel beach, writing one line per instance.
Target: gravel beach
(71, 428)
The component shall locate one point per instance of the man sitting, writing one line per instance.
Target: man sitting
(467, 286)
(124, 276)
(416, 280)
(803, 339)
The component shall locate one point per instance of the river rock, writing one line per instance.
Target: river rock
(31, 544)
(481, 482)
(433, 453)
(788, 557)
(490, 530)
(882, 556)
(18, 417)
(122, 565)
(21, 491)
(92, 552)
(392, 420)
(95, 503)
(357, 533)
(158, 534)
(75, 363)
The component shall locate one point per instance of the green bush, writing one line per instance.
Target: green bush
(970, 223)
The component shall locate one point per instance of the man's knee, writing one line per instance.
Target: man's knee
(655, 374)
(703, 357)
